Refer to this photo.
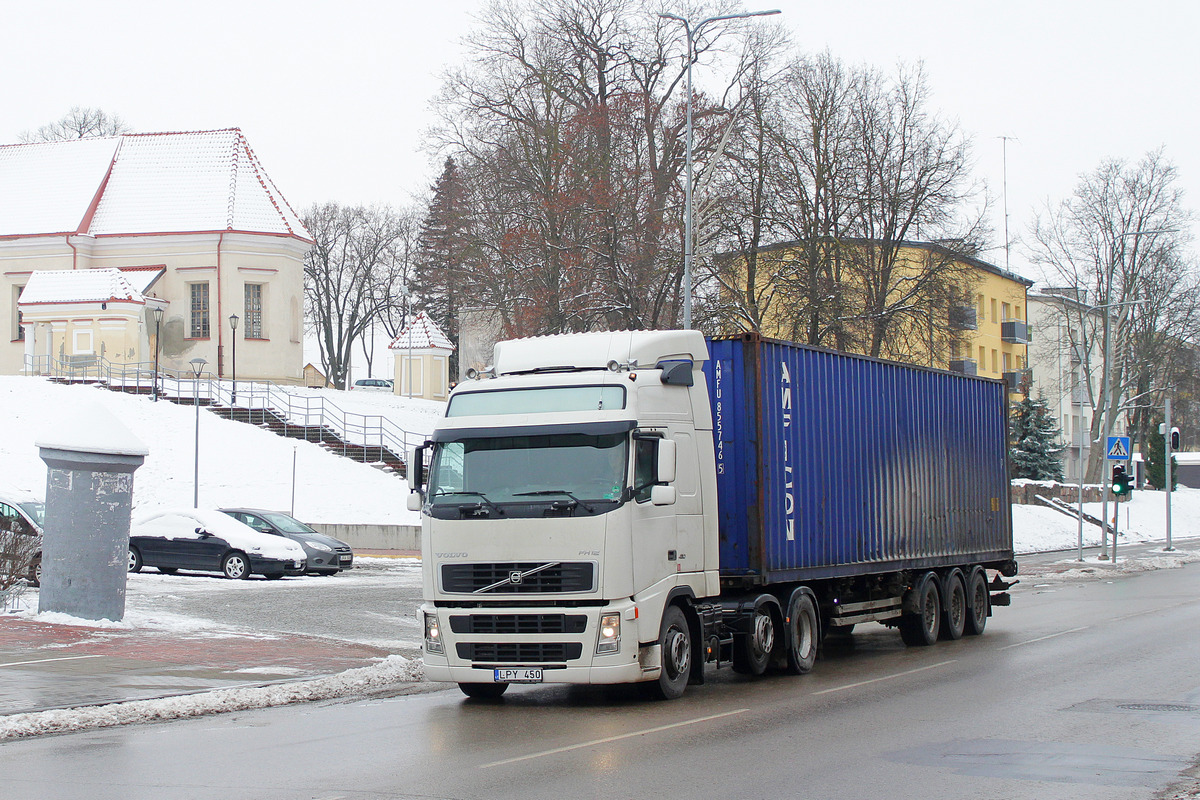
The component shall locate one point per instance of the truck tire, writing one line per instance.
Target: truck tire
(919, 626)
(801, 631)
(483, 691)
(752, 652)
(675, 648)
(978, 602)
(954, 606)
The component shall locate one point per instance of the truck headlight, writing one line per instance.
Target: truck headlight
(608, 639)
(433, 634)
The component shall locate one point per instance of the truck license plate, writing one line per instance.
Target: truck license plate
(518, 675)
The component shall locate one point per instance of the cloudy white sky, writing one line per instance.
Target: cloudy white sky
(335, 97)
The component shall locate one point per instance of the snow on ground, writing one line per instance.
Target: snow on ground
(240, 464)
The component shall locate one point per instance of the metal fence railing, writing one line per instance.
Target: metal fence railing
(354, 430)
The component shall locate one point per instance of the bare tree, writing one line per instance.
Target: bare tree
(349, 275)
(78, 123)
(1119, 239)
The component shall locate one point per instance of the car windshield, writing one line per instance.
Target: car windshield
(523, 469)
(36, 512)
(286, 524)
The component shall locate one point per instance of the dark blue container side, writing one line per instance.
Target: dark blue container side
(830, 464)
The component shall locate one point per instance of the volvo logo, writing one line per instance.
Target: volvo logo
(515, 577)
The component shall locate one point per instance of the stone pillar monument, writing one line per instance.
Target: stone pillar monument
(89, 495)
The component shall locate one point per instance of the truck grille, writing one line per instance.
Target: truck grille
(528, 653)
(519, 578)
(519, 623)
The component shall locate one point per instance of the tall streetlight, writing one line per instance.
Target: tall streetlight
(198, 365)
(233, 321)
(158, 312)
(687, 189)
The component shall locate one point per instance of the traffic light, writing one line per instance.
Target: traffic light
(1122, 482)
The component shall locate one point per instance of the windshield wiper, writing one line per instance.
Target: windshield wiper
(544, 492)
(483, 499)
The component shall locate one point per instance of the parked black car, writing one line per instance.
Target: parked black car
(210, 541)
(326, 555)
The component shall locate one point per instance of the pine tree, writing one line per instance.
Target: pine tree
(440, 272)
(1033, 434)
(1156, 456)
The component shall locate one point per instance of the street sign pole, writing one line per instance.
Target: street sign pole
(1117, 448)
(1168, 436)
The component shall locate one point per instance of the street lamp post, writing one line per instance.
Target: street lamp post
(233, 321)
(158, 312)
(691, 33)
(198, 365)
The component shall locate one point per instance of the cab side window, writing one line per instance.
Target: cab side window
(645, 467)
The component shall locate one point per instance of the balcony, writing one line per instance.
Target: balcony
(963, 318)
(1014, 331)
(966, 366)
(1017, 377)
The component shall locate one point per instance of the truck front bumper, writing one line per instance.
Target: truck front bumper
(566, 653)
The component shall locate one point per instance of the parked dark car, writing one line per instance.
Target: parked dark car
(210, 541)
(21, 519)
(326, 555)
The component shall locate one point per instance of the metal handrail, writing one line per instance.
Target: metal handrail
(306, 411)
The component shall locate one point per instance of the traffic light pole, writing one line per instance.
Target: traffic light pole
(1168, 435)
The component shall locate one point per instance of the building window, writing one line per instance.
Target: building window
(994, 310)
(19, 333)
(1005, 359)
(995, 361)
(199, 307)
(1005, 310)
(254, 311)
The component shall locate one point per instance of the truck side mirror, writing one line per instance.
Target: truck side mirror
(666, 461)
(662, 495)
(416, 468)
(414, 501)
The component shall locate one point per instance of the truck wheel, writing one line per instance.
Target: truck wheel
(978, 602)
(954, 606)
(919, 627)
(752, 652)
(801, 632)
(675, 646)
(483, 691)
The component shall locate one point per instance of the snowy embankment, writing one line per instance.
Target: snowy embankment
(239, 464)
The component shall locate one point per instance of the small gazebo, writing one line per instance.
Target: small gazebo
(422, 360)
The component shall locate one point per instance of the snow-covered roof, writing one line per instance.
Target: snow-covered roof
(141, 183)
(79, 286)
(421, 334)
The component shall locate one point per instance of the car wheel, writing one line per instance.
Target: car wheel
(235, 566)
(135, 560)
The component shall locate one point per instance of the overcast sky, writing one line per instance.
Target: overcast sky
(335, 97)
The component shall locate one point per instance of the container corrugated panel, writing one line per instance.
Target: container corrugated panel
(830, 464)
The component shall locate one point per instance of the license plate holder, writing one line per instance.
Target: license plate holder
(517, 675)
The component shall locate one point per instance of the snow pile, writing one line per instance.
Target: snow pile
(352, 683)
(240, 464)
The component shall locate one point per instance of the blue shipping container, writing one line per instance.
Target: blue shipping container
(830, 464)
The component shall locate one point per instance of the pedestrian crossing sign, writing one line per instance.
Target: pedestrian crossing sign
(1118, 448)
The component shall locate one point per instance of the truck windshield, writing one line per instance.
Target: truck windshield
(577, 468)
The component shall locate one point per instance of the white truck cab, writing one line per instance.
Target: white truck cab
(570, 495)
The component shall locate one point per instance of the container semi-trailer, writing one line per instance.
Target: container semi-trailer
(628, 507)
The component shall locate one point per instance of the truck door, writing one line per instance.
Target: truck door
(655, 540)
(689, 519)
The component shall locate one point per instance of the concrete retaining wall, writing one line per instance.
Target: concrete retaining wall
(1023, 492)
(375, 537)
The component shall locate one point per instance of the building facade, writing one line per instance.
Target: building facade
(197, 209)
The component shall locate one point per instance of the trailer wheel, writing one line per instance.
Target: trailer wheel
(752, 652)
(954, 606)
(675, 646)
(978, 602)
(919, 626)
(801, 632)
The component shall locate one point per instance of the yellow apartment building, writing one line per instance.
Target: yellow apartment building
(983, 331)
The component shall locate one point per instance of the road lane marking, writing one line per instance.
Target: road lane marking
(608, 739)
(885, 678)
(47, 660)
(1044, 638)
(1153, 611)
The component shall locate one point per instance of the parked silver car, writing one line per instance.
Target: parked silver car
(326, 555)
(22, 517)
